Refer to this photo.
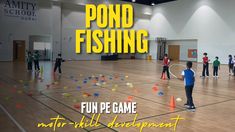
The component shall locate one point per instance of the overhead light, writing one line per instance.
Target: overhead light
(106, 1)
(147, 13)
(153, 4)
(133, 0)
(82, 4)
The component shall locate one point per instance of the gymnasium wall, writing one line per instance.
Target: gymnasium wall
(58, 19)
(15, 29)
(185, 45)
(211, 22)
(73, 17)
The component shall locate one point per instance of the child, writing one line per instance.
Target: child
(58, 63)
(205, 65)
(36, 60)
(166, 62)
(30, 61)
(216, 66)
(230, 64)
(234, 66)
(188, 75)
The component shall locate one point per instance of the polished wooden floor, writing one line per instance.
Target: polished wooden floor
(31, 98)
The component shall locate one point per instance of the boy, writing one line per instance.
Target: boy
(36, 60)
(166, 62)
(58, 62)
(216, 66)
(230, 64)
(188, 75)
(30, 61)
(205, 65)
(234, 66)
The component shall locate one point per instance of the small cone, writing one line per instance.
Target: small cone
(172, 102)
(155, 88)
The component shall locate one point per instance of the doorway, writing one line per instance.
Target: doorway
(18, 50)
(182, 50)
(174, 52)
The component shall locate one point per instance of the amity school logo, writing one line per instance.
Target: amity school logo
(20, 9)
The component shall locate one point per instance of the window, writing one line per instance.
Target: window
(41, 45)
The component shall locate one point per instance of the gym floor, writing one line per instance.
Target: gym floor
(30, 98)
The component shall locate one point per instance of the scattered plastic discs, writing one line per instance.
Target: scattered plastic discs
(113, 89)
(131, 85)
(129, 98)
(86, 95)
(75, 101)
(77, 106)
(66, 94)
(96, 94)
(78, 87)
(160, 93)
(178, 99)
(19, 106)
(98, 84)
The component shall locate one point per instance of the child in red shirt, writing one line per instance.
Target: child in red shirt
(205, 65)
(166, 62)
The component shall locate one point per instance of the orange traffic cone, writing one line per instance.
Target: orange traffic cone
(172, 102)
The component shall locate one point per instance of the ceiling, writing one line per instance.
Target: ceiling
(149, 2)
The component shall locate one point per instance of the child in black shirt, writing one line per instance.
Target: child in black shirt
(30, 61)
(58, 62)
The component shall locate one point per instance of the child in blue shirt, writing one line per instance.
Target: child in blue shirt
(188, 75)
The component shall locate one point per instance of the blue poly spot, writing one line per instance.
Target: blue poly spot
(96, 94)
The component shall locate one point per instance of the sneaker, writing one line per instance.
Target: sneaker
(192, 109)
(186, 106)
